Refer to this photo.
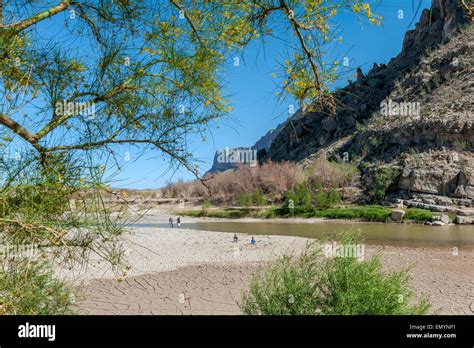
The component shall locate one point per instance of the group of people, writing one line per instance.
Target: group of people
(252, 241)
(171, 222)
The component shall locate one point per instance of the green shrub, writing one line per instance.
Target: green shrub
(29, 288)
(334, 197)
(286, 287)
(258, 198)
(384, 179)
(321, 199)
(244, 199)
(296, 202)
(303, 196)
(311, 284)
(223, 213)
(327, 199)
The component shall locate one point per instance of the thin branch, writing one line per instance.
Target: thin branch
(188, 19)
(296, 26)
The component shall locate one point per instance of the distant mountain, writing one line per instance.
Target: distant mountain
(260, 148)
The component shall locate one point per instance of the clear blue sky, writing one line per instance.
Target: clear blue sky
(254, 90)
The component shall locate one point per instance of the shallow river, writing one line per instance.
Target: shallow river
(377, 233)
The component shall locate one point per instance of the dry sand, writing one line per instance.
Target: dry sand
(180, 271)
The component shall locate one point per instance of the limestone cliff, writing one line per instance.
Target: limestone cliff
(429, 132)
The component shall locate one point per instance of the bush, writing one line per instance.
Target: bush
(384, 179)
(244, 200)
(303, 196)
(258, 198)
(311, 285)
(287, 287)
(321, 200)
(327, 200)
(29, 288)
(365, 213)
(323, 173)
(297, 201)
(334, 197)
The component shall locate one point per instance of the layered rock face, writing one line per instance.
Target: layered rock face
(262, 147)
(415, 113)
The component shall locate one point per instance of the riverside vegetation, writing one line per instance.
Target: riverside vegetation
(325, 189)
(312, 284)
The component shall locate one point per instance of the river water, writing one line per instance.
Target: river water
(376, 233)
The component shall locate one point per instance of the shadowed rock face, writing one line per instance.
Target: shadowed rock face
(433, 69)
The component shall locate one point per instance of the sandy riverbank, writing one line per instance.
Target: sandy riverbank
(198, 272)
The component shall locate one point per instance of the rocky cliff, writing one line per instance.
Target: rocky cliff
(414, 114)
(261, 146)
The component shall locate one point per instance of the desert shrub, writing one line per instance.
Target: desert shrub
(323, 173)
(258, 198)
(384, 179)
(269, 177)
(303, 196)
(279, 177)
(334, 197)
(326, 200)
(364, 213)
(29, 288)
(298, 199)
(244, 199)
(286, 287)
(321, 200)
(311, 284)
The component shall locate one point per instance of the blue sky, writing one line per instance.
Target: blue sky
(254, 91)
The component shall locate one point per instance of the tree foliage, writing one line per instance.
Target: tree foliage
(83, 80)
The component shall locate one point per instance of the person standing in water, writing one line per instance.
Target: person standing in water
(171, 222)
(253, 241)
(236, 239)
(178, 222)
